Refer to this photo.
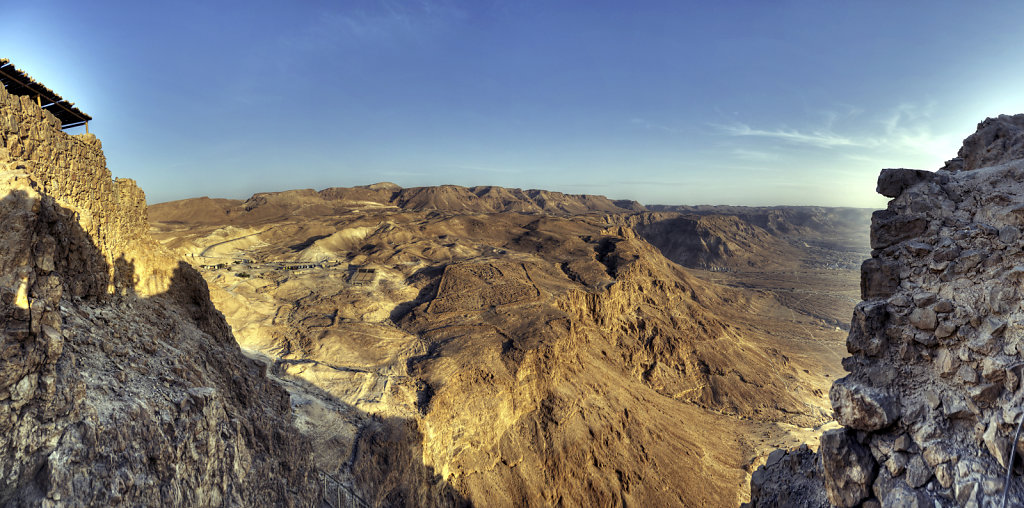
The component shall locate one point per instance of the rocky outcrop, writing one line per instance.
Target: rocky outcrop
(934, 391)
(997, 141)
(120, 383)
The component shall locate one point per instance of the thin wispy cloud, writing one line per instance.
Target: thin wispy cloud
(905, 130)
(375, 22)
(824, 139)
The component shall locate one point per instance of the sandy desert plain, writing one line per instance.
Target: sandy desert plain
(497, 347)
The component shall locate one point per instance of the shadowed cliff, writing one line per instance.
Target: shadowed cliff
(112, 399)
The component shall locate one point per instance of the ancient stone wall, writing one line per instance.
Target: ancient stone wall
(73, 170)
(106, 398)
(934, 392)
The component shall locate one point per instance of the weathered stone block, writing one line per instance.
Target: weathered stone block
(906, 498)
(986, 394)
(893, 181)
(866, 328)
(946, 362)
(862, 407)
(943, 306)
(897, 463)
(878, 279)
(923, 319)
(946, 251)
(918, 472)
(967, 375)
(889, 228)
(968, 260)
(924, 299)
(987, 340)
(918, 249)
(997, 444)
(849, 468)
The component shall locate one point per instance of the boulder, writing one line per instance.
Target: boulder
(889, 228)
(893, 181)
(862, 407)
(849, 469)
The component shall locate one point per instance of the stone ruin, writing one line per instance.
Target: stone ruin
(934, 394)
(120, 382)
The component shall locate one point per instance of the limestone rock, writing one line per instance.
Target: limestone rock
(878, 279)
(868, 320)
(943, 306)
(903, 497)
(923, 319)
(917, 471)
(848, 468)
(795, 480)
(888, 228)
(892, 182)
(861, 407)
(997, 140)
(997, 444)
(120, 383)
(924, 299)
(897, 463)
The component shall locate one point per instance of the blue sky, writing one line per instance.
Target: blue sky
(733, 102)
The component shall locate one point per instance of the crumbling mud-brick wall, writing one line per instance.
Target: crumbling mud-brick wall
(73, 170)
(936, 347)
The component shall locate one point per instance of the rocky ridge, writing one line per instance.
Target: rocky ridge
(120, 383)
(449, 198)
(509, 358)
(934, 393)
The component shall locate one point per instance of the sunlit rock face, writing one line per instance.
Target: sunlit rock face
(120, 383)
(933, 391)
(506, 353)
(997, 141)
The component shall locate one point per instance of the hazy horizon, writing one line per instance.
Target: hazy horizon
(749, 104)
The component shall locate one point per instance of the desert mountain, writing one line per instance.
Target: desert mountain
(525, 347)
(740, 238)
(451, 198)
(716, 238)
(120, 383)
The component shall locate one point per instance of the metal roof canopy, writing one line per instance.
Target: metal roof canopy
(18, 82)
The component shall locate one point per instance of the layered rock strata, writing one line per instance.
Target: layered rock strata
(120, 383)
(934, 392)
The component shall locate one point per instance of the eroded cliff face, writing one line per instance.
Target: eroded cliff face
(934, 391)
(120, 383)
